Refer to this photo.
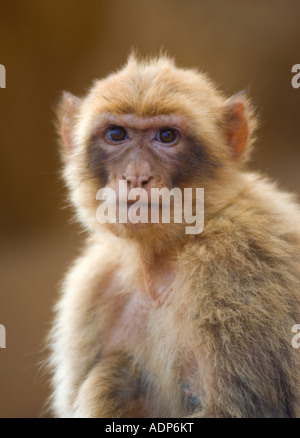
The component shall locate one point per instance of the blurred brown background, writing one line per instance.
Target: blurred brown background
(51, 45)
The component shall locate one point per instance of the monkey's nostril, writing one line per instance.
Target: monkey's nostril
(131, 181)
(144, 180)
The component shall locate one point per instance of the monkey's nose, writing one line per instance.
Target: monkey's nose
(137, 181)
(138, 174)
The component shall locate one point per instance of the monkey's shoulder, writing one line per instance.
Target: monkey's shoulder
(260, 215)
(254, 240)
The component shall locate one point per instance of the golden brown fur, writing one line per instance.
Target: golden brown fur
(152, 322)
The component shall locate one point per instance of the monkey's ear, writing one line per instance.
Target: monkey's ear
(239, 125)
(68, 108)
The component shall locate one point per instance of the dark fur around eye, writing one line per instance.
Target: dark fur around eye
(194, 162)
(96, 163)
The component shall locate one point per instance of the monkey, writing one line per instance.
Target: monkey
(154, 322)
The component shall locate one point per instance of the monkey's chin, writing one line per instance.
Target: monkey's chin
(152, 235)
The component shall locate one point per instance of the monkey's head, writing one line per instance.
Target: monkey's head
(153, 125)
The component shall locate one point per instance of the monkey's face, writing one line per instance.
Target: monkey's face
(134, 156)
(146, 127)
(149, 152)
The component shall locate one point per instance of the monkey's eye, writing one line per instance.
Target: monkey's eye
(116, 133)
(167, 135)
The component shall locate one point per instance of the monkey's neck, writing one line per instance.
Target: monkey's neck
(158, 277)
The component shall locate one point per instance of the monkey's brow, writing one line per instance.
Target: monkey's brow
(135, 122)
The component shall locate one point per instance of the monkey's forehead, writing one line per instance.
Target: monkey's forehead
(150, 90)
(143, 123)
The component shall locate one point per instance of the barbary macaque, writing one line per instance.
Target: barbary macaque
(153, 321)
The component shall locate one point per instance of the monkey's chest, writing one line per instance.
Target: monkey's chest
(131, 313)
(155, 338)
(127, 326)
